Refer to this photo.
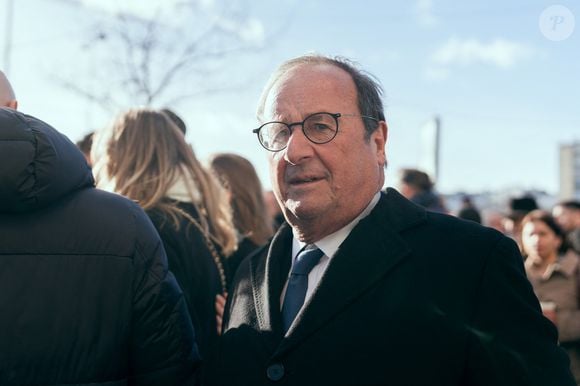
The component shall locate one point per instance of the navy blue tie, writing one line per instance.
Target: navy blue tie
(298, 284)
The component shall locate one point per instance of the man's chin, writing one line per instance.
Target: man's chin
(302, 209)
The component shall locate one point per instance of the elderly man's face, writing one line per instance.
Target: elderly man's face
(325, 184)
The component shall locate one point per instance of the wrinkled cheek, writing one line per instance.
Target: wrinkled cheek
(277, 179)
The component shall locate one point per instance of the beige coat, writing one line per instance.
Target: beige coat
(559, 284)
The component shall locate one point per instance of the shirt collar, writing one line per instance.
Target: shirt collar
(330, 244)
(566, 265)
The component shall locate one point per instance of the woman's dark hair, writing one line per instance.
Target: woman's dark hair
(569, 204)
(548, 219)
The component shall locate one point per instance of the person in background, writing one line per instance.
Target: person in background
(519, 207)
(85, 294)
(417, 186)
(494, 219)
(7, 97)
(554, 274)
(468, 211)
(176, 119)
(143, 156)
(567, 214)
(85, 144)
(250, 214)
(363, 287)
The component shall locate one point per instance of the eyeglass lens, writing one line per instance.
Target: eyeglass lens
(318, 128)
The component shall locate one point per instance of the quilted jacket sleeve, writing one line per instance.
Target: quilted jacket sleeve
(163, 349)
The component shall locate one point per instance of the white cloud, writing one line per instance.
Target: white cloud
(499, 53)
(424, 13)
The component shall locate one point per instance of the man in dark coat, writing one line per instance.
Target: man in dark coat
(364, 287)
(85, 294)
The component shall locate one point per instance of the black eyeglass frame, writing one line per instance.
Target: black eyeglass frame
(301, 124)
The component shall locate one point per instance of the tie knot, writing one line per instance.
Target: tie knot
(306, 260)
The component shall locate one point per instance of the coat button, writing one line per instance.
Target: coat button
(275, 372)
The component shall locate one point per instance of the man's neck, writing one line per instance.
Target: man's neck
(314, 229)
(311, 231)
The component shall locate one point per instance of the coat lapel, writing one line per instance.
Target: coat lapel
(369, 253)
(268, 278)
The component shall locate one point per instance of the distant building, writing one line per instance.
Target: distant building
(570, 171)
(430, 145)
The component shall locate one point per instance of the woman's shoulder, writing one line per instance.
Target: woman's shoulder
(182, 210)
(188, 208)
(570, 262)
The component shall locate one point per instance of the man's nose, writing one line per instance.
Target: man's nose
(298, 148)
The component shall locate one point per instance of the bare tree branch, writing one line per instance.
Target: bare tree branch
(148, 60)
(106, 102)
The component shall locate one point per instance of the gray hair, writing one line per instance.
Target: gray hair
(368, 88)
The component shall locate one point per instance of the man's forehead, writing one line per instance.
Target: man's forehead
(315, 75)
(300, 90)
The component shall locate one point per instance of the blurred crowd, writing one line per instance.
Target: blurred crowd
(549, 241)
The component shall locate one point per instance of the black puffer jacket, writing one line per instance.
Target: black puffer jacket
(191, 261)
(85, 294)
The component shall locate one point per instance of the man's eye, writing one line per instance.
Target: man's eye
(281, 134)
(319, 127)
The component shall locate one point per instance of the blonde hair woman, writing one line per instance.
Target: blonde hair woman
(144, 156)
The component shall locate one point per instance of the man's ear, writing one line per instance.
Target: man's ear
(13, 104)
(379, 138)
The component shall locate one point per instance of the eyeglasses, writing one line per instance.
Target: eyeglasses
(319, 128)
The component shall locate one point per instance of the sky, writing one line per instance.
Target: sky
(503, 77)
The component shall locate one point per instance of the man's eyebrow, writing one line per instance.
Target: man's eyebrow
(283, 118)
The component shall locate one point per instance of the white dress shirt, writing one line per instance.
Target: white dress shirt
(329, 246)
